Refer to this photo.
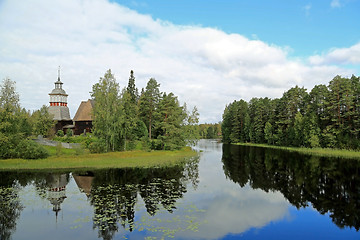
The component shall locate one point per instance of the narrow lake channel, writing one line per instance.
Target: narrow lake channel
(228, 192)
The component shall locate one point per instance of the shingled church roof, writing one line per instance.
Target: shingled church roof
(60, 113)
(84, 112)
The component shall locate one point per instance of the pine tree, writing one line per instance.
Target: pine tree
(149, 101)
(311, 131)
(226, 124)
(355, 130)
(129, 117)
(170, 122)
(292, 102)
(340, 103)
(131, 88)
(317, 113)
(299, 140)
(268, 132)
(235, 122)
(129, 109)
(259, 113)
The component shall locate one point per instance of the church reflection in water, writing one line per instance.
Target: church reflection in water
(56, 192)
(84, 181)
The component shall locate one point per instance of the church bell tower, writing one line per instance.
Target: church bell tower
(58, 105)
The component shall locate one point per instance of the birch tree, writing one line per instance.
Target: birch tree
(107, 112)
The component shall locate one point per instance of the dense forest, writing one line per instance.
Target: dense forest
(327, 116)
(125, 119)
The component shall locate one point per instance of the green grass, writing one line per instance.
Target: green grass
(68, 160)
(321, 152)
(64, 151)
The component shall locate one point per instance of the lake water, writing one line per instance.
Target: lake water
(228, 192)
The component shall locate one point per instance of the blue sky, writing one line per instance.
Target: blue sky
(308, 27)
(208, 53)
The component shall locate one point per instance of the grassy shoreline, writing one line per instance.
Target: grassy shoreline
(320, 152)
(128, 159)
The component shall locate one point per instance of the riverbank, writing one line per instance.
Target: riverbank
(128, 159)
(321, 152)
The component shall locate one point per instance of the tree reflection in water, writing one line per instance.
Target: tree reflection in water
(114, 193)
(10, 206)
(331, 185)
(50, 186)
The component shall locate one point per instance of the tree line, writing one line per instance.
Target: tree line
(327, 116)
(209, 130)
(153, 119)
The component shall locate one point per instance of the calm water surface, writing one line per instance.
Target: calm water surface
(229, 192)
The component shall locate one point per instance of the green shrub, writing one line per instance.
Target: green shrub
(87, 141)
(156, 144)
(143, 144)
(60, 133)
(29, 149)
(6, 147)
(97, 146)
(138, 145)
(314, 141)
(69, 133)
(130, 145)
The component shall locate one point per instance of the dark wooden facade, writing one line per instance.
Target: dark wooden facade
(63, 125)
(82, 127)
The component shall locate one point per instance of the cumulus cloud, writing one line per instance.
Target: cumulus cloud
(205, 67)
(338, 56)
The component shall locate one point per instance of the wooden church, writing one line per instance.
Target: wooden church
(58, 107)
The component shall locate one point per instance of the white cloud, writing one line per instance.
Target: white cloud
(335, 4)
(238, 211)
(203, 66)
(338, 56)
